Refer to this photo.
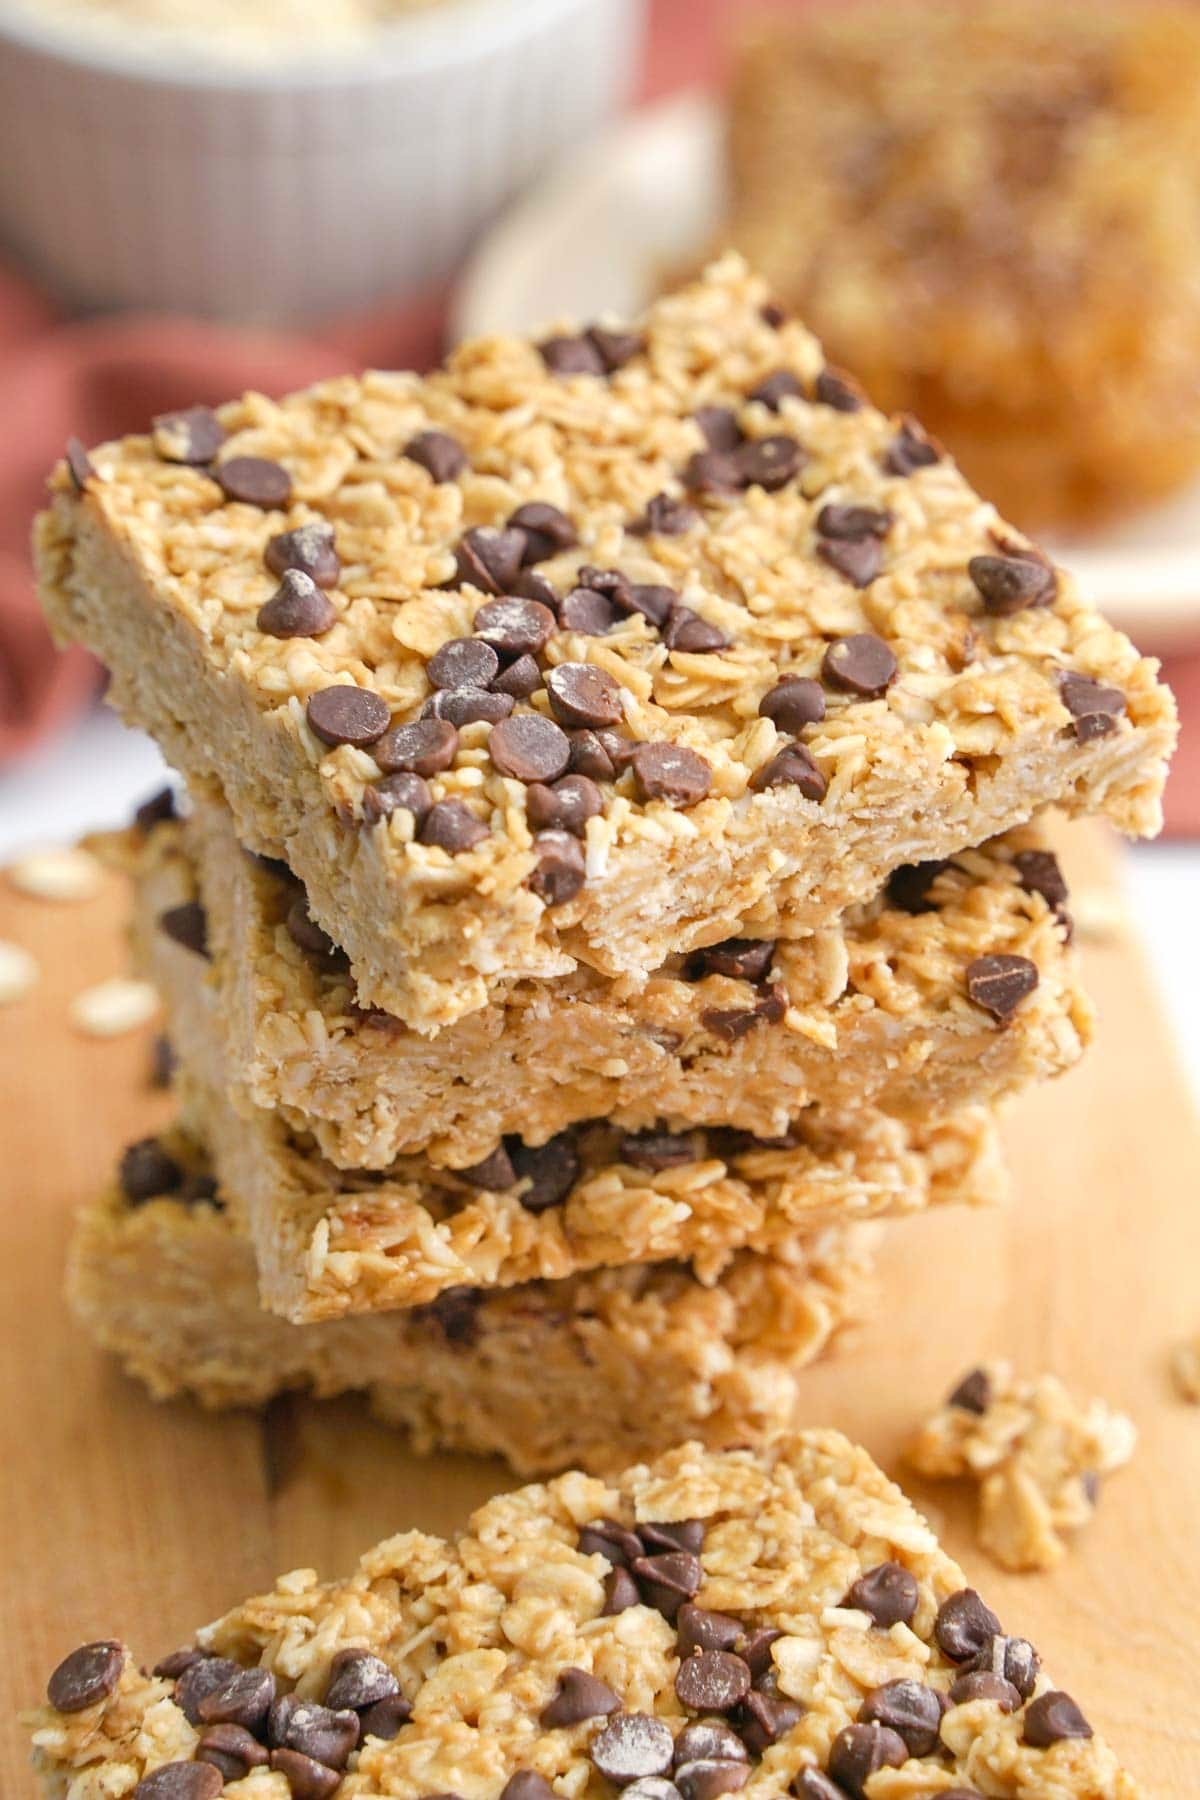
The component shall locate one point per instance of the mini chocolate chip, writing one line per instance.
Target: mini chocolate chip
(1039, 873)
(146, 1170)
(858, 559)
(589, 613)
(527, 1784)
(686, 630)
(231, 1749)
(242, 1700)
(192, 435)
(793, 766)
(572, 356)
(612, 583)
(514, 627)
(741, 959)
(347, 715)
(186, 924)
(610, 1539)
(384, 1719)
(765, 1718)
(973, 1393)
(201, 1678)
(547, 530)
(666, 515)
(668, 1580)
(1010, 584)
(616, 347)
(1000, 983)
(173, 1665)
(89, 1674)
(979, 1684)
(468, 705)
(733, 1022)
(888, 1594)
(673, 1534)
(619, 750)
(560, 871)
(632, 1747)
(853, 522)
(584, 696)
(862, 664)
(908, 1708)
(652, 1787)
(654, 1151)
(455, 1312)
(490, 557)
(671, 772)
(304, 931)
(383, 797)
(772, 314)
(1094, 708)
(579, 1696)
(590, 757)
(712, 1681)
(775, 388)
(620, 1592)
(529, 747)
(708, 1740)
(911, 449)
(328, 1736)
(653, 601)
(812, 1784)
(159, 809)
(520, 679)
(567, 806)
(357, 1679)
(770, 462)
(198, 1188)
(307, 1778)
(529, 585)
(80, 466)
(451, 826)
(463, 662)
(180, 1781)
(719, 426)
(255, 481)
(908, 887)
(439, 454)
(1014, 1659)
(794, 702)
(838, 390)
(309, 549)
(713, 474)
(1052, 1717)
(551, 1170)
(422, 747)
(706, 1779)
(495, 1174)
(297, 608)
(755, 1650)
(700, 1629)
(859, 1751)
(964, 1625)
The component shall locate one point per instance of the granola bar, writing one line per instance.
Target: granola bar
(773, 1622)
(595, 1370)
(596, 651)
(999, 203)
(891, 1007)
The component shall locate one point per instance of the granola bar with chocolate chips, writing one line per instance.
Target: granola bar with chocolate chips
(956, 986)
(677, 649)
(597, 1370)
(710, 1623)
(1037, 1453)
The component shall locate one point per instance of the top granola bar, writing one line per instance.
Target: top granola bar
(597, 649)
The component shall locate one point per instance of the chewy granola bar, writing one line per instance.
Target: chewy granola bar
(594, 1370)
(595, 650)
(773, 1623)
(955, 987)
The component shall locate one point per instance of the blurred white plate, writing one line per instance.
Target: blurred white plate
(601, 231)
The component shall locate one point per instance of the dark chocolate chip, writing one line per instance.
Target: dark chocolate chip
(567, 806)
(495, 1174)
(714, 474)
(654, 1151)
(742, 959)
(671, 772)
(973, 1393)
(632, 1747)
(653, 601)
(520, 679)
(1011, 584)
(589, 756)
(439, 454)
(357, 1679)
(88, 1675)
(384, 1719)
(1094, 708)
(254, 481)
(405, 790)
(159, 809)
(297, 608)
(666, 515)
(838, 390)
(1013, 1659)
(513, 626)
(610, 1539)
(620, 1592)
(422, 747)
(888, 1594)
(304, 931)
(527, 1784)
(560, 870)
(163, 1061)
(755, 1651)
(180, 1781)
(529, 585)
(328, 1736)
(186, 924)
(619, 750)
(307, 1778)
(1052, 1717)
(719, 426)
(908, 1708)
(765, 1718)
(812, 1784)
(589, 613)
(80, 466)
(309, 549)
(770, 462)
(490, 557)
(572, 356)
(547, 530)
(1000, 983)
(712, 1681)
(793, 766)
(708, 1740)
(668, 1580)
(201, 1678)
(858, 559)
(579, 1696)
(859, 1751)
(911, 449)
(146, 1170)
(964, 1625)
(551, 1170)
(794, 702)
(849, 522)
(455, 1312)
(348, 715)
(731, 1023)
(777, 387)
(772, 314)
(978, 1684)
(468, 705)
(908, 887)
(686, 630)
(529, 747)
(451, 826)
(705, 1780)
(697, 1627)
(1039, 873)
(173, 1665)
(673, 1534)
(616, 348)
(232, 1749)
(192, 435)
(244, 1699)
(583, 696)
(463, 662)
(862, 664)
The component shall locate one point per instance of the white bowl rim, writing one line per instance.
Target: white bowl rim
(443, 36)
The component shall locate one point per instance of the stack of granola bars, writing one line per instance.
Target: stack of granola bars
(611, 877)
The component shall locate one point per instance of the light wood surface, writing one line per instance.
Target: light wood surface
(121, 1517)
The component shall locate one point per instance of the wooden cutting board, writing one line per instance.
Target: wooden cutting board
(122, 1517)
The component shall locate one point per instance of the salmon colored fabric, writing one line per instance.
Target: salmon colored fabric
(100, 377)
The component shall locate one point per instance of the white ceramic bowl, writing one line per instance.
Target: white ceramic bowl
(285, 190)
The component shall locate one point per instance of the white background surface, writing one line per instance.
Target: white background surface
(97, 773)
